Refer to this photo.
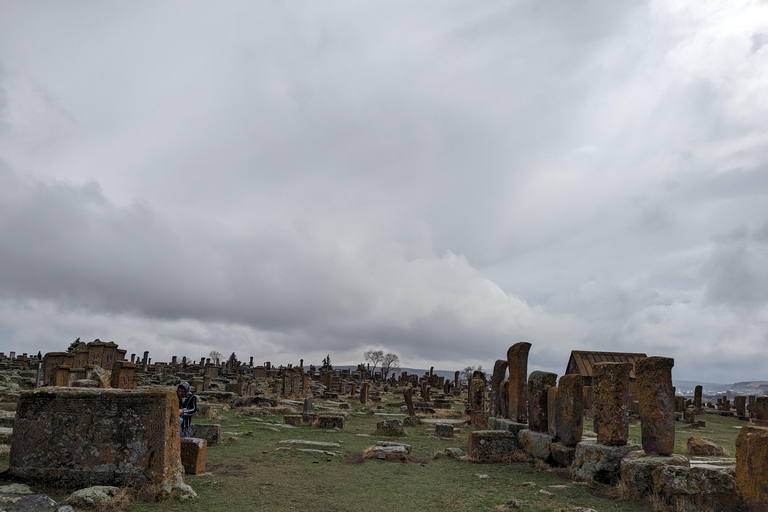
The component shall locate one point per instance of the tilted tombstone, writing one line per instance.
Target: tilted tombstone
(539, 384)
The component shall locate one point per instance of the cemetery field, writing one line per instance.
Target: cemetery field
(256, 469)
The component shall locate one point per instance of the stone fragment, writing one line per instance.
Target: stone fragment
(443, 430)
(752, 465)
(569, 410)
(491, 445)
(505, 424)
(193, 453)
(703, 448)
(610, 402)
(538, 411)
(27, 503)
(15, 489)
(98, 495)
(517, 360)
(330, 421)
(657, 407)
(599, 462)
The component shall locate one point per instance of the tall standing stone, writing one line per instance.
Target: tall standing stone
(569, 413)
(499, 372)
(551, 410)
(408, 395)
(517, 359)
(657, 404)
(697, 397)
(740, 404)
(504, 399)
(610, 402)
(752, 467)
(308, 404)
(456, 380)
(364, 392)
(539, 384)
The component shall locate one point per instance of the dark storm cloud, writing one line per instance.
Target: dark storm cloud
(436, 179)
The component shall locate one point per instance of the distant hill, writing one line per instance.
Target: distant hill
(708, 387)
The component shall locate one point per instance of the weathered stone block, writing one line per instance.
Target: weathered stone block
(703, 447)
(599, 462)
(538, 411)
(479, 420)
(562, 455)
(193, 452)
(211, 433)
(505, 424)
(637, 470)
(569, 410)
(610, 402)
(535, 444)
(752, 465)
(390, 428)
(84, 437)
(517, 360)
(295, 420)
(443, 430)
(491, 445)
(657, 404)
(697, 489)
(330, 421)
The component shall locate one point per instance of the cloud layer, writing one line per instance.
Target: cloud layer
(440, 180)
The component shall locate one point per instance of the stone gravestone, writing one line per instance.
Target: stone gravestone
(539, 384)
(408, 395)
(610, 402)
(697, 397)
(517, 359)
(499, 372)
(657, 407)
(569, 415)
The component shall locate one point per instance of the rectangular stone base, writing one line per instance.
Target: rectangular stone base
(211, 433)
(562, 456)
(506, 424)
(535, 444)
(491, 445)
(193, 452)
(598, 462)
(330, 421)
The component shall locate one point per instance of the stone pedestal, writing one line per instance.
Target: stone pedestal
(598, 462)
(491, 445)
(211, 433)
(562, 456)
(702, 489)
(535, 444)
(637, 470)
(657, 407)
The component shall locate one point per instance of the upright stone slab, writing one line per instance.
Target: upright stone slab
(569, 414)
(84, 437)
(657, 406)
(307, 404)
(551, 410)
(364, 389)
(697, 397)
(504, 399)
(499, 372)
(539, 384)
(193, 454)
(752, 466)
(740, 404)
(408, 395)
(610, 402)
(517, 359)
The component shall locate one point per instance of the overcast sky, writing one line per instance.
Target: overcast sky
(437, 179)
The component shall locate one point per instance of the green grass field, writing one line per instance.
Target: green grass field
(248, 472)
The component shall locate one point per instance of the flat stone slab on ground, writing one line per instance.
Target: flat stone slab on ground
(27, 503)
(310, 443)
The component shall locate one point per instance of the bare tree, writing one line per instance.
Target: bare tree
(215, 356)
(390, 363)
(374, 357)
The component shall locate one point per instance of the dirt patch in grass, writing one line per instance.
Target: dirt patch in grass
(354, 460)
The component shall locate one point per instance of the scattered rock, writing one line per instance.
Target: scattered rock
(703, 447)
(15, 489)
(92, 496)
(27, 503)
(482, 477)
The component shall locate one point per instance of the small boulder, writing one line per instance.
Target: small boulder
(703, 447)
(98, 495)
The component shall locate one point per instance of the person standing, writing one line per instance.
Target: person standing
(187, 407)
